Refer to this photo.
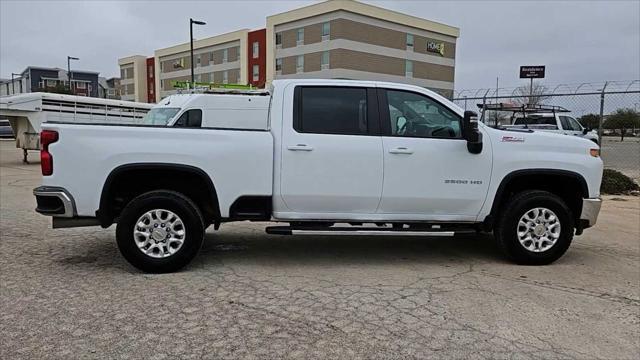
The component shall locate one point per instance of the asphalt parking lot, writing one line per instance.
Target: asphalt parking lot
(68, 294)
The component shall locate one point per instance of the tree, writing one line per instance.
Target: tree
(623, 119)
(591, 121)
(525, 95)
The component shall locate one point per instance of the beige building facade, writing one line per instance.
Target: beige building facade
(352, 40)
(219, 59)
(133, 78)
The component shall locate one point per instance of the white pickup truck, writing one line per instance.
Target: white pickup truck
(322, 157)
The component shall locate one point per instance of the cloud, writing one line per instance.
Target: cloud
(578, 41)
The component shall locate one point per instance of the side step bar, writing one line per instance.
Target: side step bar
(359, 231)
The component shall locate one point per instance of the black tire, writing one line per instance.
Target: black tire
(507, 225)
(175, 202)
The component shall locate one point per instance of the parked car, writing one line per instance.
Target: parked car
(544, 118)
(5, 129)
(321, 157)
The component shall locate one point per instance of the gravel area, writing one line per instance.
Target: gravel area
(68, 293)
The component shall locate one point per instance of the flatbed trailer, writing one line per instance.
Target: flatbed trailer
(26, 112)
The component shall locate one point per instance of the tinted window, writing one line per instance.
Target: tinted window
(536, 120)
(190, 118)
(416, 115)
(332, 110)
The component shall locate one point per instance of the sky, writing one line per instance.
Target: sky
(578, 41)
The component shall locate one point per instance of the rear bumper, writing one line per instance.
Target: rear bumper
(54, 201)
(590, 211)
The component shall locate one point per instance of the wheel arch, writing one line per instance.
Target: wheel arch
(192, 181)
(555, 181)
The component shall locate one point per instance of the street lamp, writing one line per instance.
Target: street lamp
(191, 22)
(13, 85)
(69, 58)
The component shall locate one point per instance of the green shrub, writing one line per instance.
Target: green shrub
(615, 182)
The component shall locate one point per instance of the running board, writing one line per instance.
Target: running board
(285, 230)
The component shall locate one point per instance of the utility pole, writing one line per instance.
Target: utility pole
(69, 75)
(191, 22)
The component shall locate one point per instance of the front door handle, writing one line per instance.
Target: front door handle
(299, 147)
(401, 150)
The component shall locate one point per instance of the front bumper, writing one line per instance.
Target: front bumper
(54, 201)
(590, 211)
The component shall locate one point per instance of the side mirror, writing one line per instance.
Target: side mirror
(585, 130)
(471, 132)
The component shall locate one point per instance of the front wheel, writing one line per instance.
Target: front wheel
(535, 228)
(160, 231)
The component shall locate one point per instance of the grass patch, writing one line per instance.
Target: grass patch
(615, 183)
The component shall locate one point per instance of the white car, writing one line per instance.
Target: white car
(321, 157)
(556, 122)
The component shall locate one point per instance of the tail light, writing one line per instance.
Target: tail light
(47, 137)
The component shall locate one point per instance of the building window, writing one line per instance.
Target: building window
(278, 40)
(225, 55)
(122, 73)
(409, 41)
(324, 60)
(300, 37)
(278, 66)
(225, 77)
(150, 88)
(408, 68)
(300, 64)
(326, 30)
(197, 60)
(256, 49)
(51, 83)
(211, 57)
(80, 85)
(161, 84)
(256, 73)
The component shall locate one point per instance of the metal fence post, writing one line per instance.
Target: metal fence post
(601, 119)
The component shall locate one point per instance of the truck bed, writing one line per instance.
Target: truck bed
(239, 162)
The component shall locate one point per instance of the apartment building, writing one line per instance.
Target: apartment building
(352, 40)
(52, 79)
(133, 78)
(332, 39)
(219, 59)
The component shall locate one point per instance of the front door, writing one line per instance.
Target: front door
(428, 172)
(332, 155)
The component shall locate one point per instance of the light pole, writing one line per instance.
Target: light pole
(69, 58)
(13, 85)
(191, 22)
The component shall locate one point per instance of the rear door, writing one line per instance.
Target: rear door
(331, 153)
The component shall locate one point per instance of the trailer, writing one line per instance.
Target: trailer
(26, 112)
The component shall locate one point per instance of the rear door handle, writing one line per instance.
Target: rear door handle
(401, 150)
(299, 147)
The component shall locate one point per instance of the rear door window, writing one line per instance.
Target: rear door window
(332, 110)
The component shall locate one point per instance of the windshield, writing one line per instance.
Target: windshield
(159, 116)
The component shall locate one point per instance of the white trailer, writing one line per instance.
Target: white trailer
(26, 112)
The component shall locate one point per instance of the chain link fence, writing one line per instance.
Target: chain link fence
(595, 105)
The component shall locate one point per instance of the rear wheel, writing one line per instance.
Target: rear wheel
(535, 228)
(160, 231)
